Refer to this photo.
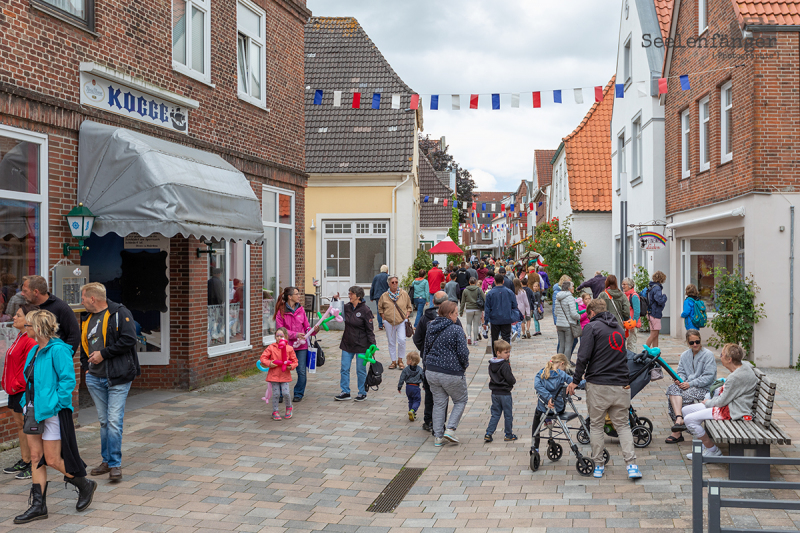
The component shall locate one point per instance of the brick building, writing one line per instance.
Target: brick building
(731, 158)
(172, 131)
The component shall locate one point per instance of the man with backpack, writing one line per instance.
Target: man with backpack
(629, 289)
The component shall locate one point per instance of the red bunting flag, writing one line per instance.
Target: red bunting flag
(356, 100)
(662, 86)
(502, 207)
(473, 101)
(445, 202)
(474, 206)
(530, 206)
(537, 99)
(414, 101)
(598, 93)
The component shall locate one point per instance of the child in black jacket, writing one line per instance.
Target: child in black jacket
(412, 377)
(501, 381)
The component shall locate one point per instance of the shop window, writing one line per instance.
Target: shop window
(23, 207)
(228, 289)
(278, 253)
(191, 38)
(251, 47)
(702, 260)
(78, 11)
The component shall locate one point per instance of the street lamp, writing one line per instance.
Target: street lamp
(80, 221)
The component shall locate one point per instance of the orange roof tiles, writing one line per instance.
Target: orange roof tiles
(768, 12)
(664, 14)
(544, 166)
(588, 153)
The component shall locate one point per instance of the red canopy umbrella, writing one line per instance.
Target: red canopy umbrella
(446, 246)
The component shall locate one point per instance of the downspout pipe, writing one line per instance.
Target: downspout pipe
(394, 224)
(791, 289)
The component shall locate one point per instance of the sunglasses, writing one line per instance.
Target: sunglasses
(28, 325)
(692, 343)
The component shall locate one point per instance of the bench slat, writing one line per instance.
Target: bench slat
(743, 436)
(786, 438)
(751, 429)
(768, 438)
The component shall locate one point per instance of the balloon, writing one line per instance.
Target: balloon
(331, 314)
(369, 357)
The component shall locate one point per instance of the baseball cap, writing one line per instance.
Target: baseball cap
(435, 263)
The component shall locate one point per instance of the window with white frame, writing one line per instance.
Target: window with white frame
(627, 59)
(636, 156)
(228, 297)
(705, 158)
(251, 46)
(191, 38)
(726, 122)
(702, 16)
(23, 209)
(703, 259)
(685, 172)
(620, 159)
(277, 214)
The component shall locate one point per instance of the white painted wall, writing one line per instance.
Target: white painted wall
(405, 233)
(593, 229)
(435, 235)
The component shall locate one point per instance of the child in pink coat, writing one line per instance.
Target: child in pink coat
(280, 378)
(582, 303)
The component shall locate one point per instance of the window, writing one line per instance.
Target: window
(620, 160)
(705, 159)
(741, 255)
(637, 149)
(702, 16)
(703, 258)
(626, 57)
(726, 122)
(80, 11)
(251, 48)
(425, 245)
(228, 302)
(685, 173)
(191, 38)
(277, 214)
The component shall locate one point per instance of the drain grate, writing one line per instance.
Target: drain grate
(391, 496)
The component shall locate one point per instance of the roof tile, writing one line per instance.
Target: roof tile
(664, 14)
(768, 12)
(544, 166)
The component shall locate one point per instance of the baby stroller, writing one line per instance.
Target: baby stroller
(640, 368)
(554, 427)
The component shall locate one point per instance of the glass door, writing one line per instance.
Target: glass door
(338, 267)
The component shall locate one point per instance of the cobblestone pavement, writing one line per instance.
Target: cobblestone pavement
(214, 460)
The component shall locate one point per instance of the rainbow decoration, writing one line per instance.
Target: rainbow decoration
(653, 235)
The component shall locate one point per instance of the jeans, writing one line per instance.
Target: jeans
(419, 303)
(565, 340)
(616, 401)
(536, 326)
(396, 337)
(498, 331)
(414, 396)
(473, 324)
(110, 404)
(430, 298)
(443, 387)
(361, 373)
(501, 404)
(302, 376)
(427, 414)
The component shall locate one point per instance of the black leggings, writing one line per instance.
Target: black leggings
(537, 417)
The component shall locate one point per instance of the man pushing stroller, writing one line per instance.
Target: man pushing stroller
(603, 358)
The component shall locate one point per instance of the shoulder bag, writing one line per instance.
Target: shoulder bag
(576, 329)
(31, 426)
(409, 327)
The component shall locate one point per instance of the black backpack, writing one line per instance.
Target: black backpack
(644, 303)
(374, 376)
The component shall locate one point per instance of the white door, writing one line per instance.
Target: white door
(337, 273)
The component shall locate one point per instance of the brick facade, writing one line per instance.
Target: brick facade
(39, 92)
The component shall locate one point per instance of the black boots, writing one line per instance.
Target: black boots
(38, 505)
(86, 488)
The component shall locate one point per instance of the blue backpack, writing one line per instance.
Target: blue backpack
(699, 317)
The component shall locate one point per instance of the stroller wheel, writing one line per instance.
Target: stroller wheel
(585, 466)
(641, 436)
(606, 457)
(645, 422)
(536, 461)
(554, 451)
(582, 436)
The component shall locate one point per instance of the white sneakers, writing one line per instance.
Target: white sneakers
(708, 452)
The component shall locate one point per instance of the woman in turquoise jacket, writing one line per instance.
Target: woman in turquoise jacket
(50, 381)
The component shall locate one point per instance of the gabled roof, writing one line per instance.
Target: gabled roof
(341, 57)
(767, 12)
(664, 14)
(544, 166)
(588, 150)
(430, 184)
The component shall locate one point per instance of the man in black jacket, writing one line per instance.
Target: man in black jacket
(108, 354)
(597, 284)
(34, 289)
(603, 358)
(508, 282)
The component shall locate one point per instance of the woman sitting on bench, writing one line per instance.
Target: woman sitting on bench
(734, 402)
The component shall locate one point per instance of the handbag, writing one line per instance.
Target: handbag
(409, 327)
(320, 354)
(31, 426)
(575, 329)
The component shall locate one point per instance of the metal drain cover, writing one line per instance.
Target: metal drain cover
(391, 496)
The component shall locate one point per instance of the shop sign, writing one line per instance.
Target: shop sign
(122, 100)
(151, 242)
(652, 241)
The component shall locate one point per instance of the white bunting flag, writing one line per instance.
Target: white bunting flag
(395, 101)
(641, 88)
(337, 98)
(578, 96)
(493, 207)
(435, 201)
(514, 99)
(456, 102)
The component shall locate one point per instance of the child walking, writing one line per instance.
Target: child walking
(279, 377)
(548, 384)
(412, 377)
(501, 381)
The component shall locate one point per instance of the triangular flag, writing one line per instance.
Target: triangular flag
(557, 96)
(685, 82)
(620, 90)
(663, 87)
(515, 100)
(598, 93)
(395, 101)
(496, 101)
(641, 88)
(337, 98)
(376, 100)
(473, 101)
(356, 100)
(318, 97)
(455, 102)
(434, 102)
(426, 198)
(414, 101)
(578, 95)
(537, 99)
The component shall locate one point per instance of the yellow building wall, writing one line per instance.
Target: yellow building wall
(341, 201)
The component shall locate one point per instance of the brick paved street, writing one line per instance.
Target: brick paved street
(215, 461)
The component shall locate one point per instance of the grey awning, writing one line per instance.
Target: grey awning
(135, 183)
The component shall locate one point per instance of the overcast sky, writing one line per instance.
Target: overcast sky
(486, 46)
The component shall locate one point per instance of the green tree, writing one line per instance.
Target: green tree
(559, 250)
(641, 280)
(736, 310)
(442, 161)
(453, 234)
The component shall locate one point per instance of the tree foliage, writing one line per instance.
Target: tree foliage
(453, 234)
(737, 312)
(442, 161)
(641, 280)
(559, 250)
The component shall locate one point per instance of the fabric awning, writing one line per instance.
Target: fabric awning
(135, 183)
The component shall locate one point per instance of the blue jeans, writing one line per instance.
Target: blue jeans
(420, 305)
(361, 373)
(430, 298)
(414, 396)
(110, 404)
(300, 386)
(501, 404)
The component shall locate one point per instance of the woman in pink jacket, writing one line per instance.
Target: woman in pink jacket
(289, 314)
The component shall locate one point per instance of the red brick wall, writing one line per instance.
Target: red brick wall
(766, 115)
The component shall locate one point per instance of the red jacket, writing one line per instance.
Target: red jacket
(435, 280)
(13, 381)
(277, 374)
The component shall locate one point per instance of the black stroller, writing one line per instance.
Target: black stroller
(554, 427)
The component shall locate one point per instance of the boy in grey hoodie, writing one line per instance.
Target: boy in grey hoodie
(412, 377)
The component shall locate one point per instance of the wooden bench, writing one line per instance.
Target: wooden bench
(751, 438)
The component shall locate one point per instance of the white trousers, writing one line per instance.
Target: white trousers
(693, 416)
(396, 335)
